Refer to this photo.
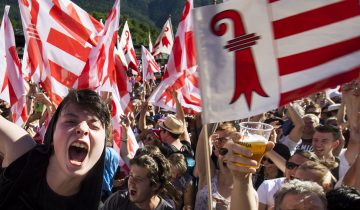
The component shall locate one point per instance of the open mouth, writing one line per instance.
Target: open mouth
(132, 192)
(78, 152)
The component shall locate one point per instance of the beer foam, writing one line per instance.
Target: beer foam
(253, 138)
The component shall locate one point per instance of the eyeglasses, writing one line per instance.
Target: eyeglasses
(291, 165)
(314, 113)
(148, 139)
(268, 160)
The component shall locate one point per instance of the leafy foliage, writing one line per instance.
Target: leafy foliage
(143, 16)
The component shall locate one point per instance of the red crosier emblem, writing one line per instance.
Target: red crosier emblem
(246, 77)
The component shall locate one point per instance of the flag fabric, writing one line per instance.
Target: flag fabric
(59, 36)
(101, 62)
(150, 44)
(181, 71)
(252, 62)
(122, 81)
(12, 83)
(149, 65)
(165, 41)
(126, 44)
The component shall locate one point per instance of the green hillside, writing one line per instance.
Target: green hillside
(144, 16)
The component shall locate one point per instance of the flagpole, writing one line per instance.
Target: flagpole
(207, 166)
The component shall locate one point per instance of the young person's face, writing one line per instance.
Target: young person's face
(139, 185)
(301, 202)
(79, 140)
(323, 144)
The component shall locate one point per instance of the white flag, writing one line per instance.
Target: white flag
(251, 61)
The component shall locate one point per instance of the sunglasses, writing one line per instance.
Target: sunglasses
(268, 160)
(291, 165)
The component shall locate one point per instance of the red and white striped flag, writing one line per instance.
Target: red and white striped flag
(101, 62)
(149, 65)
(122, 81)
(126, 44)
(12, 83)
(165, 41)
(253, 62)
(59, 37)
(181, 72)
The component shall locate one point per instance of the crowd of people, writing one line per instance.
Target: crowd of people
(311, 159)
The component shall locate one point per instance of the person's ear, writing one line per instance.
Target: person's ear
(155, 187)
(335, 144)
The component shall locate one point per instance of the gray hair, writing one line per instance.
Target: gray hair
(300, 188)
(314, 118)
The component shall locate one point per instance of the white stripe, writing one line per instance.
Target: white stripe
(319, 37)
(64, 59)
(310, 76)
(59, 88)
(286, 8)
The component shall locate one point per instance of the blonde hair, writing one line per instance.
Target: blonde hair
(177, 160)
(227, 127)
(322, 173)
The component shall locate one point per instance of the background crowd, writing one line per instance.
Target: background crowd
(314, 163)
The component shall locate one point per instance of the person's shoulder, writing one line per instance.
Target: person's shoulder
(117, 200)
(270, 183)
(164, 205)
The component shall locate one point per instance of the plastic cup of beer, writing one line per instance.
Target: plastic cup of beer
(254, 136)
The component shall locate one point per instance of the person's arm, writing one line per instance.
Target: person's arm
(14, 141)
(200, 157)
(296, 132)
(181, 116)
(142, 118)
(278, 160)
(243, 195)
(351, 97)
(124, 147)
(189, 197)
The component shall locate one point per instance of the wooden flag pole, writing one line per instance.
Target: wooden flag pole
(207, 166)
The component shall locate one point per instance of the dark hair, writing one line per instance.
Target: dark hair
(329, 129)
(90, 101)
(343, 198)
(173, 135)
(158, 167)
(89, 195)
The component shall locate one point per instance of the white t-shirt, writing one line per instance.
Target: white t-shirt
(267, 190)
(344, 164)
(290, 143)
(343, 167)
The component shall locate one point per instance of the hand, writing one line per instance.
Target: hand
(273, 136)
(238, 159)
(125, 122)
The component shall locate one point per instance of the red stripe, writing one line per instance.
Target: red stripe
(305, 60)
(76, 29)
(318, 86)
(68, 44)
(190, 49)
(315, 18)
(177, 54)
(15, 58)
(62, 75)
(72, 12)
(96, 23)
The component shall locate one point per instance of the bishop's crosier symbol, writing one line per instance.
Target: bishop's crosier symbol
(246, 77)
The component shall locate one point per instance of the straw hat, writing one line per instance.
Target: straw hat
(173, 125)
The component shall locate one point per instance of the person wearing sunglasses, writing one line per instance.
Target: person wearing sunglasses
(269, 169)
(268, 188)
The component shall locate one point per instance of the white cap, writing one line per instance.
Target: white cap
(333, 107)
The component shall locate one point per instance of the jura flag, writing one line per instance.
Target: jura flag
(255, 56)
(165, 40)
